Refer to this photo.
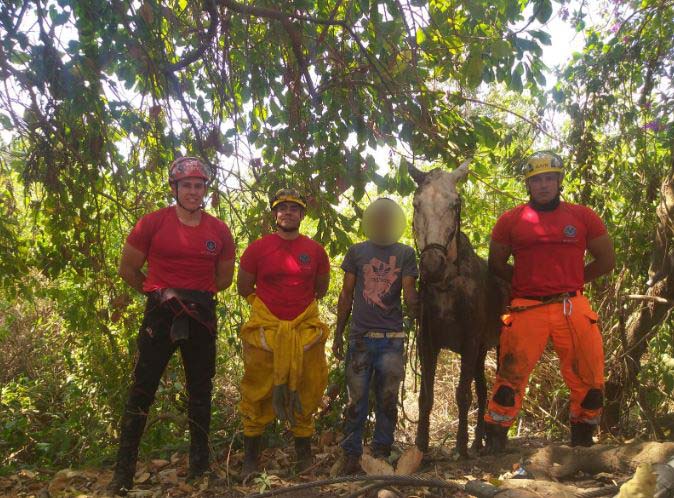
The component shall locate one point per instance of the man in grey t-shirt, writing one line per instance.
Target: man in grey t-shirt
(376, 272)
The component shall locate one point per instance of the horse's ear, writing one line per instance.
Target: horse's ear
(461, 172)
(417, 175)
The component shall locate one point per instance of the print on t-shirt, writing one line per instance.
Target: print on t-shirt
(378, 278)
(379, 272)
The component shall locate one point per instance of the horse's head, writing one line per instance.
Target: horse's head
(437, 215)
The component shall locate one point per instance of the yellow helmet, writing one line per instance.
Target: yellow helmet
(541, 162)
(287, 195)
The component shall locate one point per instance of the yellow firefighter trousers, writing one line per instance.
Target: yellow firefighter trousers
(278, 352)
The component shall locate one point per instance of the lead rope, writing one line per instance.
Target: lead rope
(412, 360)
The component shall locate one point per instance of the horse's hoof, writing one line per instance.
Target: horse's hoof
(477, 446)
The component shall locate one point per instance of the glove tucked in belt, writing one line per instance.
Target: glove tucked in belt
(185, 304)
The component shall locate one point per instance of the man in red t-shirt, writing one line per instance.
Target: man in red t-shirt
(285, 370)
(190, 257)
(548, 239)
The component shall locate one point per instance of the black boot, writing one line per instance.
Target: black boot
(352, 465)
(200, 421)
(199, 460)
(127, 455)
(251, 455)
(381, 452)
(303, 453)
(581, 434)
(497, 439)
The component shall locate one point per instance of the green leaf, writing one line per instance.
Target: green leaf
(543, 10)
(501, 48)
(472, 70)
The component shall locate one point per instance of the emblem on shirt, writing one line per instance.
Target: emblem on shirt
(570, 231)
(211, 245)
(378, 278)
(304, 258)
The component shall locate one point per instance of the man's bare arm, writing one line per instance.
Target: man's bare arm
(321, 285)
(411, 296)
(130, 265)
(601, 249)
(498, 260)
(224, 274)
(245, 282)
(344, 304)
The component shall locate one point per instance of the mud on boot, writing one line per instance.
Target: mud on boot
(381, 452)
(496, 439)
(121, 483)
(303, 453)
(251, 455)
(581, 434)
(132, 428)
(351, 465)
(199, 462)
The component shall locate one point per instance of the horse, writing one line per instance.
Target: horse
(461, 301)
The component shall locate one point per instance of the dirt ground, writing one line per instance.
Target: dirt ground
(159, 478)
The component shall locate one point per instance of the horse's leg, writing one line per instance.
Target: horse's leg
(481, 391)
(428, 357)
(464, 397)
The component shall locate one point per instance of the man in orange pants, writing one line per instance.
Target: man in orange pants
(548, 239)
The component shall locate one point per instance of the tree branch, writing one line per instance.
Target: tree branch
(211, 8)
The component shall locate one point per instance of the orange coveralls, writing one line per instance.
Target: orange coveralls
(572, 326)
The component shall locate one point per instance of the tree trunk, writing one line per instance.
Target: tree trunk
(652, 310)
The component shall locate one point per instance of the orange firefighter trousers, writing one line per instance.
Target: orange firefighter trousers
(572, 326)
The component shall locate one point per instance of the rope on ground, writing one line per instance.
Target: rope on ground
(384, 479)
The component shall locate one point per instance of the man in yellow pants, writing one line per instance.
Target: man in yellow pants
(548, 239)
(285, 370)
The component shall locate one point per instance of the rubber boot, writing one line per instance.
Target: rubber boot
(381, 452)
(581, 434)
(127, 455)
(200, 421)
(251, 455)
(303, 453)
(352, 465)
(496, 439)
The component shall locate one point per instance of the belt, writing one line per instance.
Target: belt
(544, 301)
(372, 334)
(553, 297)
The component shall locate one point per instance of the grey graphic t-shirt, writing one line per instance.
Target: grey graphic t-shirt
(379, 270)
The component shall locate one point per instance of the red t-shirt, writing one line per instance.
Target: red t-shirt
(285, 272)
(548, 246)
(181, 256)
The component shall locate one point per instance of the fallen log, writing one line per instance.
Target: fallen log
(530, 488)
(559, 462)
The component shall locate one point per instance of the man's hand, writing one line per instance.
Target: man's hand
(413, 310)
(338, 347)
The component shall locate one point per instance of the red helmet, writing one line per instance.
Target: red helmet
(188, 167)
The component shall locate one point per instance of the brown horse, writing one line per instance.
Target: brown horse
(461, 301)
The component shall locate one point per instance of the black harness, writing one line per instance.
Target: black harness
(454, 234)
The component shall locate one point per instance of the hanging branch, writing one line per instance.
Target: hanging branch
(196, 54)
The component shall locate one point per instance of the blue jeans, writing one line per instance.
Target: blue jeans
(379, 360)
